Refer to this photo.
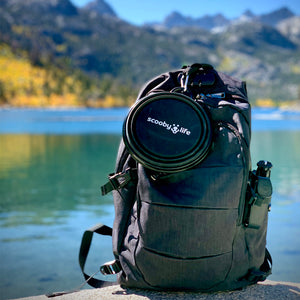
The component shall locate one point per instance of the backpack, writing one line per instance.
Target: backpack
(190, 214)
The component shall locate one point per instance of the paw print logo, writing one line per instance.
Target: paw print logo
(175, 128)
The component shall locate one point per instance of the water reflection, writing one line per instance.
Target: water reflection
(43, 175)
(282, 149)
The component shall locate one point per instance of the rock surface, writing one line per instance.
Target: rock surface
(265, 290)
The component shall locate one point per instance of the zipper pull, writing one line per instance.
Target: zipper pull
(216, 95)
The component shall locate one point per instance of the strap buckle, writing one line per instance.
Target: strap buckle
(118, 180)
(111, 268)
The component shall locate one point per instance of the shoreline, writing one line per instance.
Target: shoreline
(263, 290)
(281, 107)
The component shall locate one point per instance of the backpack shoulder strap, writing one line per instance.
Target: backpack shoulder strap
(109, 268)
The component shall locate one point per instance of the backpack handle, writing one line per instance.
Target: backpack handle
(197, 74)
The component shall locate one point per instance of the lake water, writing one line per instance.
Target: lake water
(52, 164)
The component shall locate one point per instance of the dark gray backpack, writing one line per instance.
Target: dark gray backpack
(189, 212)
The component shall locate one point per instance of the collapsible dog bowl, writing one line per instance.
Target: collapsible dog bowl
(167, 132)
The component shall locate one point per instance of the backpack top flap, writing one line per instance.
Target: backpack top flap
(222, 83)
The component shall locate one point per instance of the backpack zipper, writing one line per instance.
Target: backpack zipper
(215, 95)
(243, 146)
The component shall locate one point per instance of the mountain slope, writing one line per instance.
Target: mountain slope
(176, 19)
(276, 16)
(210, 22)
(94, 40)
(100, 7)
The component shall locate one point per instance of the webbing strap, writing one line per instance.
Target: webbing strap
(84, 250)
(83, 253)
(267, 264)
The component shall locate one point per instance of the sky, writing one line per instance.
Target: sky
(139, 12)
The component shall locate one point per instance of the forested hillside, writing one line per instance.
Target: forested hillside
(25, 84)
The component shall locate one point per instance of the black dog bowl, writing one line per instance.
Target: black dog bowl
(167, 132)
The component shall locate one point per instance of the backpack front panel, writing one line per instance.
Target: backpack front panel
(164, 272)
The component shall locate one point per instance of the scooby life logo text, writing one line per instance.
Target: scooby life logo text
(174, 128)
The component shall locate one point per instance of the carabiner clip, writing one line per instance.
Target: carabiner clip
(186, 83)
